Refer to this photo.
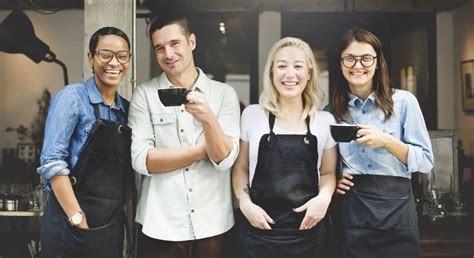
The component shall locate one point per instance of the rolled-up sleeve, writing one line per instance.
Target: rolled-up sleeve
(229, 120)
(49, 170)
(60, 124)
(420, 153)
(142, 130)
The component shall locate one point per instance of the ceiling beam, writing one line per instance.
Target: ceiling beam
(326, 5)
(399, 6)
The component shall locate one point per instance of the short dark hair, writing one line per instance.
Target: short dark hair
(158, 22)
(103, 32)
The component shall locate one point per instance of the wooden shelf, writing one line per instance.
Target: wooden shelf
(462, 247)
(31, 213)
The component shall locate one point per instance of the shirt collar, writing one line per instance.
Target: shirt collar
(355, 101)
(201, 84)
(96, 98)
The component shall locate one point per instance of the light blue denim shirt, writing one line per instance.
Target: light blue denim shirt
(69, 121)
(407, 124)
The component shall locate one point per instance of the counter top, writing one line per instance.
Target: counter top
(30, 213)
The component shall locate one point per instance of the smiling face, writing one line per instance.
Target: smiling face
(359, 77)
(290, 73)
(109, 74)
(174, 50)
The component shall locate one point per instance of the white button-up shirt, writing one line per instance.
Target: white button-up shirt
(192, 202)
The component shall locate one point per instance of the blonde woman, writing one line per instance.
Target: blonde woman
(284, 176)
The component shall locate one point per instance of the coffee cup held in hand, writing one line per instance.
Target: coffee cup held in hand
(173, 96)
(344, 132)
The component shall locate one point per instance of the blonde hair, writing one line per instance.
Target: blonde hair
(312, 94)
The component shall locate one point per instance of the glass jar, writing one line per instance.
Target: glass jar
(40, 197)
(2, 201)
(3, 190)
(9, 203)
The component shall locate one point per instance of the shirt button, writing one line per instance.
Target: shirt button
(363, 150)
(190, 189)
(182, 110)
(370, 165)
(161, 120)
(192, 211)
(363, 112)
(186, 169)
(182, 130)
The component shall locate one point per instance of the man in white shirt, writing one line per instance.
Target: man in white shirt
(184, 153)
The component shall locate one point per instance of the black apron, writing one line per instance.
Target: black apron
(285, 177)
(379, 218)
(102, 180)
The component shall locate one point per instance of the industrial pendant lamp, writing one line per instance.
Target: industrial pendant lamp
(18, 36)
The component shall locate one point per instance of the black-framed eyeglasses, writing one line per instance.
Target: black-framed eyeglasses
(106, 56)
(350, 61)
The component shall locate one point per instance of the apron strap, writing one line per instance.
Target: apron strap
(121, 119)
(308, 132)
(76, 176)
(96, 111)
(271, 122)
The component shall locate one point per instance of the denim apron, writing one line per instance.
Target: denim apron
(379, 218)
(286, 177)
(102, 181)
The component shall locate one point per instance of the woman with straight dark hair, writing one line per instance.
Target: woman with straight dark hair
(378, 210)
(85, 160)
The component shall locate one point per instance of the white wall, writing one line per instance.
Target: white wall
(324, 85)
(143, 52)
(463, 28)
(445, 70)
(269, 32)
(22, 81)
(241, 84)
(455, 43)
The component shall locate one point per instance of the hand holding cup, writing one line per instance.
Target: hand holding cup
(173, 96)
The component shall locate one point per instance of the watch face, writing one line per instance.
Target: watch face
(76, 219)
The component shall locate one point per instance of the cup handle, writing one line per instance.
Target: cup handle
(186, 94)
(357, 130)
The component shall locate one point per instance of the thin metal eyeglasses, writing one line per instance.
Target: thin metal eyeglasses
(106, 56)
(350, 61)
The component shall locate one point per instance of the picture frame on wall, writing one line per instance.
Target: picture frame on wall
(467, 85)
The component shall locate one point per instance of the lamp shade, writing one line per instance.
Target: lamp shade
(18, 36)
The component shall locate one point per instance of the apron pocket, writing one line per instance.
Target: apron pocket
(282, 243)
(291, 186)
(99, 211)
(93, 242)
(102, 169)
(378, 212)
